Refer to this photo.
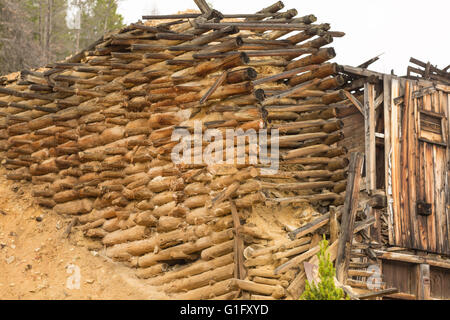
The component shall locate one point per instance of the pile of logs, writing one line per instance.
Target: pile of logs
(93, 136)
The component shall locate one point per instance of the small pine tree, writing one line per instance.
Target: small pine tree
(325, 289)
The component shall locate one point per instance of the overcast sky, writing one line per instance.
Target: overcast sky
(398, 28)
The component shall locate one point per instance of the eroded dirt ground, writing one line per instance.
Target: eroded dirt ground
(35, 256)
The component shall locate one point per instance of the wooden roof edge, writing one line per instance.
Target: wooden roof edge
(361, 72)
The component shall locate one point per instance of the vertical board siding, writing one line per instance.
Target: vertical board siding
(387, 155)
(440, 283)
(419, 170)
(395, 161)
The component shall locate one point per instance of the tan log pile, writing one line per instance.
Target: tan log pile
(93, 135)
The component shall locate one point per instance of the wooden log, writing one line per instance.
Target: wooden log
(271, 282)
(92, 225)
(262, 272)
(250, 200)
(302, 152)
(46, 202)
(140, 247)
(337, 163)
(274, 291)
(197, 268)
(277, 6)
(305, 20)
(184, 250)
(291, 252)
(96, 233)
(298, 186)
(74, 207)
(254, 26)
(297, 260)
(296, 90)
(331, 83)
(285, 75)
(323, 71)
(159, 183)
(339, 175)
(66, 196)
(45, 167)
(279, 247)
(288, 52)
(210, 291)
(340, 186)
(318, 42)
(246, 74)
(196, 188)
(261, 260)
(96, 214)
(121, 236)
(310, 227)
(225, 194)
(217, 250)
(220, 80)
(289, 139)
(146, 218)
(197, 201)
(166, 224)
(319, 57)
(164, 210)
(163, 198)
(152, 271)
(204, 68)
(200, 280)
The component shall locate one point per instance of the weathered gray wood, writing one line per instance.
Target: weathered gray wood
(310, 227)
(380, 293)
(220, 80)
(348, 217)
(369, 125)
(387, 151)
(423, 282)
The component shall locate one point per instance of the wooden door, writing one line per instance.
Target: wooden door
(418, 157)
(431, 174)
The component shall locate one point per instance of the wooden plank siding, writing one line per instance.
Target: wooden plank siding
(400, 275)
(370, 122)
(353, 130)
(395, 162)
(418, 167)
(387, 80)
(440, 283)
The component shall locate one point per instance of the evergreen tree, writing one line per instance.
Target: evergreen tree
(19, 47)
(36, 32)
(97, 17)
(325, 289)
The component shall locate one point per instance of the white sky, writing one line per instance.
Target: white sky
(398, 28)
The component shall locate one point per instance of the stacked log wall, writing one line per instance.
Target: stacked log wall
(94, 138)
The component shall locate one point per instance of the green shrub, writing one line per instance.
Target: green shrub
(325, 289)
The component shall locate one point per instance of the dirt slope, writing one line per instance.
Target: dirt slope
(34, 256)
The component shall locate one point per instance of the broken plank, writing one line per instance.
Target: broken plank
(348, 217)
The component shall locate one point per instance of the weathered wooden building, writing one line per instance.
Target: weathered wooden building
(401, 124)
